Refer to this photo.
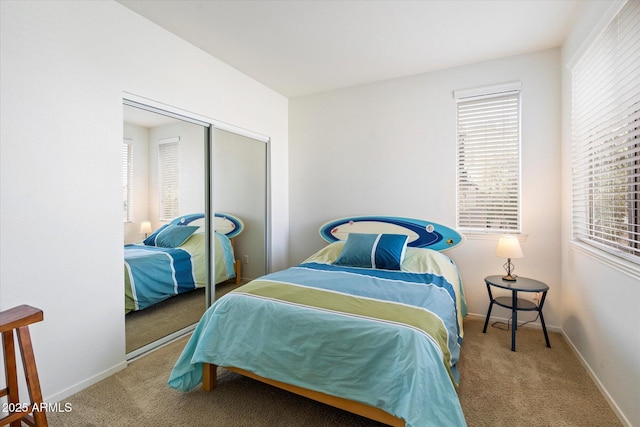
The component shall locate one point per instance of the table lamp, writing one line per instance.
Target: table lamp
(509, 247)
(145, 228)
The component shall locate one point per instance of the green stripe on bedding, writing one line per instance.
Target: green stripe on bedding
(414, 317)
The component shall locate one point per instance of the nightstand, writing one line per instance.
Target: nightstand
(515, 304)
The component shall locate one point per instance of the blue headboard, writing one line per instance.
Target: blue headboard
(422, 234)
(224, 223)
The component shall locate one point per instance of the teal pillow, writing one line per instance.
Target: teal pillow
(170, 236)
(382, 251)
(151, 240)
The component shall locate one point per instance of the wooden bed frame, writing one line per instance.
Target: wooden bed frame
(237, 264)
(210, 381)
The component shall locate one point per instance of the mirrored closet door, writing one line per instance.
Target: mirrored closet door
(186, 186)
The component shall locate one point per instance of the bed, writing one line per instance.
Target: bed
(370, 324)
(172, 260)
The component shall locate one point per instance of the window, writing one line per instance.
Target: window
(606, 138)
(127, 181)
(169, 178)
(488, 158)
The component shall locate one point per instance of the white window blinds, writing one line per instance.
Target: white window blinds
(169, 179)
(488, 159)
(127, 181)
(606, 138)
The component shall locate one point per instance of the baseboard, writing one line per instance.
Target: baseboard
(612, 404)
(57, 397)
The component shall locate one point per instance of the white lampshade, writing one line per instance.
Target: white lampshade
(145, 227)
(509, 247)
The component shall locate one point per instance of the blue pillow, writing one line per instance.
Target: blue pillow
(170, 236)
(383, 251)
(150, 241)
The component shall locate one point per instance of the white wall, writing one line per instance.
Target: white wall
(65, 67)
(599, 302)
(389, 148)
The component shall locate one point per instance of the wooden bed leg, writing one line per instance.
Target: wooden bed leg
(238, 265)
(209, 376)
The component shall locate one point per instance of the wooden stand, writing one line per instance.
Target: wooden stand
(18, 319)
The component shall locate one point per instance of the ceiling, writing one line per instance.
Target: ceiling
(301, 47)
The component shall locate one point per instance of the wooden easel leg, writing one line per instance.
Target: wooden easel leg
(209, 376)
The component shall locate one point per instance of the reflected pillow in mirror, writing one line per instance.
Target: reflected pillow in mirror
(150, 241)
(170, 236)
(382, 251)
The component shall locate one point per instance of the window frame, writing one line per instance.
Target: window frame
(609, 148)
(511, 222)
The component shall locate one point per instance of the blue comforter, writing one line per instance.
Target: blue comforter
(158, 273)
(153, 274)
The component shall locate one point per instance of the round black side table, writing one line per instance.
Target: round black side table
(515, 304)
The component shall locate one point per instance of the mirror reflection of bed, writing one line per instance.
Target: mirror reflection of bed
(165, 275)
(238, 169)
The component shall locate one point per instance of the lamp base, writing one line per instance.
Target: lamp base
(508, 268)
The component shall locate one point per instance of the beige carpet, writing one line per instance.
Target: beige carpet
(535, 386)
(169, 316)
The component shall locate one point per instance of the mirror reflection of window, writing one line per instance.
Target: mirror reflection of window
(127, 180)
(169, 178)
